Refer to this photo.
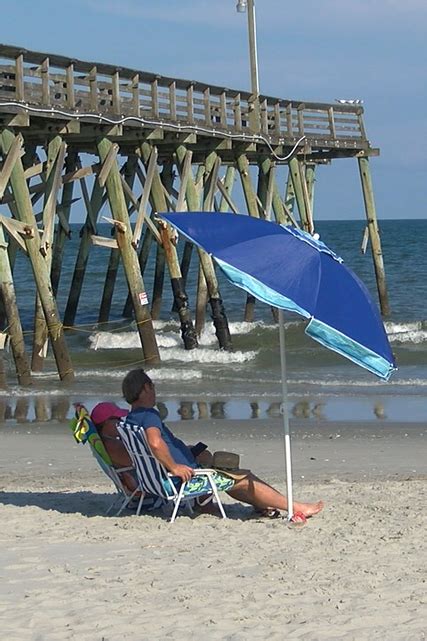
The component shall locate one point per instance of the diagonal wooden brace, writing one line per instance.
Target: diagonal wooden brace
(17, 230)
(13, 154)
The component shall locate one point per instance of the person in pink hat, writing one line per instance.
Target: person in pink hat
(106, 417)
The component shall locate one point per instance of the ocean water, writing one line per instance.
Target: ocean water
(244, 383)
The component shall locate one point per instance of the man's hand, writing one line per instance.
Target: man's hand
(184, 472)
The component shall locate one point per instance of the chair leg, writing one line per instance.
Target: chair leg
(218, 500)
(177, 501)
(138, 509)
(126, 502)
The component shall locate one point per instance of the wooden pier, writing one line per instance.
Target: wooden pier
(142, 143)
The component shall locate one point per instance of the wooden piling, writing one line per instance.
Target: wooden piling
(93, 205)
(218, 312)
(14, 328)
(298, 187)
(166, 180)
(55, 160)
(114, 259)
(3, 380)
(63, 231)
(253, 210)
(209, 178)
(129, 256)
(159, 203)
(374, 234)
(40, 270)
(224, 204)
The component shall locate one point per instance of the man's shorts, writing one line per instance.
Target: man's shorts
(200, 484)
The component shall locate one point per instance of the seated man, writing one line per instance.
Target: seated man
(177, 458)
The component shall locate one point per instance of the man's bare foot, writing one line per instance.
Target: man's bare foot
(308, 509)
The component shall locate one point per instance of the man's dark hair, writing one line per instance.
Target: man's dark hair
(133, 383)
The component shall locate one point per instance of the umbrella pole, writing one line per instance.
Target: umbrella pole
(285, 414)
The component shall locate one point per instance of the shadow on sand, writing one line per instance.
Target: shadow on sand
(92, 504)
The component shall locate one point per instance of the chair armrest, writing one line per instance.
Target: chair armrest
(199, 471)
(124, 469)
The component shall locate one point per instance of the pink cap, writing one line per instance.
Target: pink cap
(103, 411)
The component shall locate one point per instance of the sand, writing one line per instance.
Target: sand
(357, 571)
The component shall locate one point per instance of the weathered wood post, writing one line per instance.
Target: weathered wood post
(166, 179)
(158, 200)
(129, 256)
(297, 182)
(14, 329)
(40, 270)
(253, 210)
(114, 260)
(3, 381)
(183, 161)
(210, 175)
(310, 176)
(227, 188)
(374, 234)
(93, 205)
(218, 312)
(55, 160)
(63, 232)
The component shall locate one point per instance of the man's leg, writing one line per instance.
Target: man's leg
(262, 496)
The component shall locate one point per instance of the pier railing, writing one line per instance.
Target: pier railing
(52, 85)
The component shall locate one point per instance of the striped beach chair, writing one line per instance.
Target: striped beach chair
(84, 431)
(157, 481)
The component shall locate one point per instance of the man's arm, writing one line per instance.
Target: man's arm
(162, 454)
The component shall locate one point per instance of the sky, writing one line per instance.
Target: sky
(374, 50)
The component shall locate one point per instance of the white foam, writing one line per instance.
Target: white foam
(411, 332)
(416, 337)
(202, 355)
(158, 374)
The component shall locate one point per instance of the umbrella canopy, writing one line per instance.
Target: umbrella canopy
(287, 268)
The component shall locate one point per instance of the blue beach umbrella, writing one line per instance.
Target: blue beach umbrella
(289, 269)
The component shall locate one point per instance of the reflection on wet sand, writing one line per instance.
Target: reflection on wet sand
(41, 409)
(379, 410)
(186, 410)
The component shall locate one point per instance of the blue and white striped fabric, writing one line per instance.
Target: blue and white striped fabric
(151, 473)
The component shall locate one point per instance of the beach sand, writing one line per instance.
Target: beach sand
(357, 571)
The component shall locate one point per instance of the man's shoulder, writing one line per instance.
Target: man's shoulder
(145, 416)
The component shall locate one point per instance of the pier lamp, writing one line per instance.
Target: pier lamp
(248, 6)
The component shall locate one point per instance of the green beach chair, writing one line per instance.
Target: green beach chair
(84, 431)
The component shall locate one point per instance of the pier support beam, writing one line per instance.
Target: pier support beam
(63, 232)
(218, 312)
(55, 161)
(93, 205)
(129, 256)
(300, 190)
(374, 234)
(14, 328)
(40, 269)
(253, 210)
(158, 201)
(114, 260)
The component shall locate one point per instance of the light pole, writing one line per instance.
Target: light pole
(248, 6)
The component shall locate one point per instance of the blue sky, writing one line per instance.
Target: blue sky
(316, 51)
